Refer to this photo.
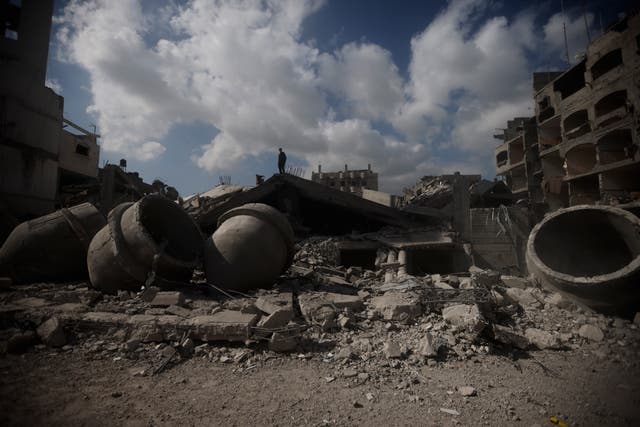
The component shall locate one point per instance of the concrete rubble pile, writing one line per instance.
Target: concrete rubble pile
(370, 329)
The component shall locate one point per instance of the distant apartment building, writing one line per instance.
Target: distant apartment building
(588, 122)
(351, 181)
(587, 128)
(517, 157)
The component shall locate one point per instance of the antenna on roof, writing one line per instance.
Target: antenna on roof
(586, 25)
(564, 31)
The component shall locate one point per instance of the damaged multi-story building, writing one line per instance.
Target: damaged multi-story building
(351, 181)
(46, 160)
(585, 145)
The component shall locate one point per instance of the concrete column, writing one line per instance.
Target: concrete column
(402, 259)
(390, 274)
(461, 205)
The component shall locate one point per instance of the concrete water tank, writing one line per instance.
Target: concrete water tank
(252, 246)
(590, 253)
(153, 237)
(52, 247)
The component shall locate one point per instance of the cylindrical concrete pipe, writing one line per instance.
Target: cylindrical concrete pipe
(52, 247)
(252, 246)
(591, 253)
(151, 235)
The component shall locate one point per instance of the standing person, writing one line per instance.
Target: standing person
(282, 159)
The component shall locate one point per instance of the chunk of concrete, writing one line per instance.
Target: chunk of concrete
(514, 282)
(591, 332)
(464, 315)
(541, 339)
(429, 346)
(225, 325)
(283, 342)
(275, 302)
(320, 307)
(395, 305)
(560, 301)
(52, 333)
(521, 296)
(508, 336)
(165, 299)
(392, 350)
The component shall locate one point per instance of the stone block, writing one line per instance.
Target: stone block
(165, 299)
(464, 315)
(52, 333)
(225, 325)
(394, 305)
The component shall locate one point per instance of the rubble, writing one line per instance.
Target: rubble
(52, 333)
(395, 305)
(591, 332)
(166, 299)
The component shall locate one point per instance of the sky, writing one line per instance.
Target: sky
(189, 91)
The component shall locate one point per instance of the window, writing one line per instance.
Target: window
(607, 63)
(82, 149)
(571, 81)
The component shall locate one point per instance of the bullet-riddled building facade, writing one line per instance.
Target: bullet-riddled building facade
(351, 181)
(588, 123)
(582, 145)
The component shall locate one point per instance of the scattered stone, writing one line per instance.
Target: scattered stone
(515, 282)
(464, 315)
(52, 333)
(349, 373)
(428, 346)
(636, 319)
(178, 311)
(187, 346)
(225, 325)
(392, 350)
(450, 411)
(591, 332)
(396, 305)
(116, 394)
(541, 339)
(508, 336)
(276, 320)
(132, 345)
(148, 294)
(369, 396)
(521, 296)
(357, 405)
(272, 303)
(442, 285)
(345, 353)
(484, 278)
(467, 391)
(345, 322)
(363, 376)
(165, 299)
(283, 342)
(559, 301)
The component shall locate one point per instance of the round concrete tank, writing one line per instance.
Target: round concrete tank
(52, 247)
(252, 246)
(153, 234)
(591, 253)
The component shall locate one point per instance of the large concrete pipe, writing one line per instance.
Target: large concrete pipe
(151, 236)
(52, 247)
(252, 246)
(591, 253)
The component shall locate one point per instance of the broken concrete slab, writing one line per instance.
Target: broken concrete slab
(52, 333)
(541, 339)
(282, 342)
(396, 305)
(524, 297)
(429, 346)
(591, 332)
(392, 350)
(165, 299)
(225, 325)
(271, 303)
(515, 282)
(464, 315)
(508, 336)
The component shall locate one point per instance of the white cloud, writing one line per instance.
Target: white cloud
(576, 31)
(54, 85)
(242, 67)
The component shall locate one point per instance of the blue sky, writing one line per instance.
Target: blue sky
(190, 91)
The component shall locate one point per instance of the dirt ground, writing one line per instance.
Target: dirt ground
(581, 387)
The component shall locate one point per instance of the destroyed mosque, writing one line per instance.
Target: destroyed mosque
(458, 266)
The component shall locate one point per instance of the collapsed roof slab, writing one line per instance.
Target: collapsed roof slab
(317, 207)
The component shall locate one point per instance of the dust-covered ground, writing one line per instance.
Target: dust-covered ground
(582, 387)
